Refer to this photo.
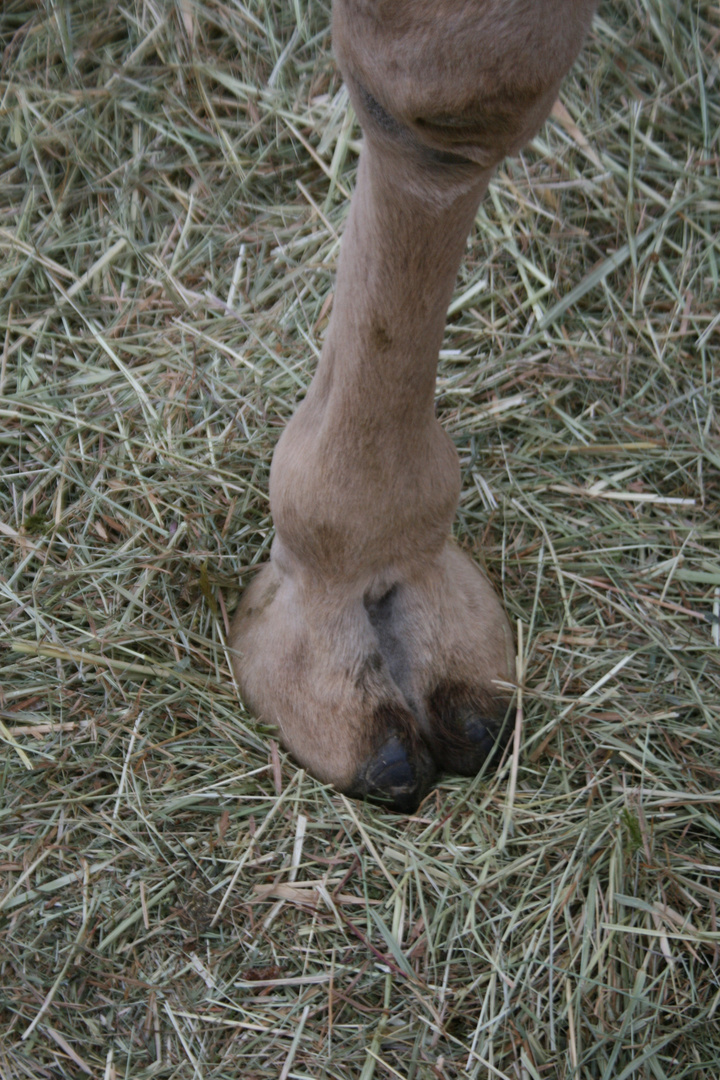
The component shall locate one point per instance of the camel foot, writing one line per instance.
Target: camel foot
(375, 694)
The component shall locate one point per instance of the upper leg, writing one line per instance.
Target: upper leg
(473, 77)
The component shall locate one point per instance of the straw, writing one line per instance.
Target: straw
(177, 899)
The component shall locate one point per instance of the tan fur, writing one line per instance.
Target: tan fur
(367, 618)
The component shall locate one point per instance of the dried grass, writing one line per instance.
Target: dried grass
(177, 899)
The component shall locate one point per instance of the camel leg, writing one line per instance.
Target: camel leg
(377, 648)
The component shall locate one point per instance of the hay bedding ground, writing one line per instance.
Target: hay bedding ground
(178, 900)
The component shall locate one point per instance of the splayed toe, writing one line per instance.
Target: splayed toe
(397, 775)
(469, 728)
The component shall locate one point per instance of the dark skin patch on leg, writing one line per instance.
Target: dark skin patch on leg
(380, 338)
(369, 667)
(265, 601)
(380, 610)
(392, 647)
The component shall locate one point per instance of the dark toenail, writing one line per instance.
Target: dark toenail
(482, 740)
(390, 768)
(467, 731)
(469, 745)
(397, 776)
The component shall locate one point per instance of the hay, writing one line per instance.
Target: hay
(178, 900)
